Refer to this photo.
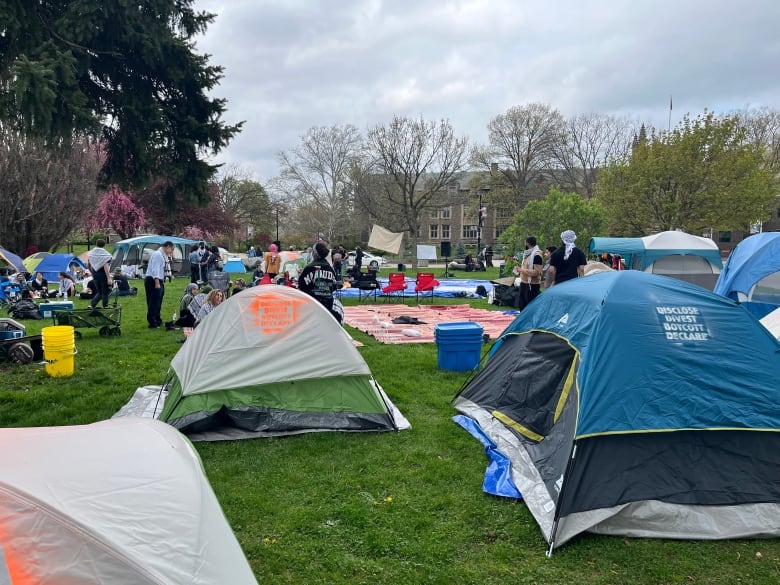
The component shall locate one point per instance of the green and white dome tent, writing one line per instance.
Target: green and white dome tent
(273, 361)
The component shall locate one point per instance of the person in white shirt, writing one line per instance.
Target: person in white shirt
(154, 284)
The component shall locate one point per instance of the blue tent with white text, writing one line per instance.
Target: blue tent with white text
(635, 404)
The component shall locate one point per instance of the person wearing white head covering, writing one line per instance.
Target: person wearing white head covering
(568, 261)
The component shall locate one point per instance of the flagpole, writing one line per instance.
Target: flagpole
(669, 127)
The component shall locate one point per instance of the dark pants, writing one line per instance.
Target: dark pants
(101, 284)
(194, 272)
(154, 298)
(528, 292)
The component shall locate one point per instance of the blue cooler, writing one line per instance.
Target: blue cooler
(11, 329)
(47, 309)
(459, 345)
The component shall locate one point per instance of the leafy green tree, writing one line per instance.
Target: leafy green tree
(547, 218)
(244, 199)
(704, 173)
(124, 72)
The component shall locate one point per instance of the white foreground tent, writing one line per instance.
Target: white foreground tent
(119, 501)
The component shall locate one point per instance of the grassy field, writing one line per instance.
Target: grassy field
(367, 508)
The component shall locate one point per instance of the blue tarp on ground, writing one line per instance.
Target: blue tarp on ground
(498, 475)
(448, 288)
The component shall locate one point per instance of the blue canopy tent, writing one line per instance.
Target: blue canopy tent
(53, 264)
(625, 247)
(671, 253)
(638, 405)
(136, 252)
(752, 274)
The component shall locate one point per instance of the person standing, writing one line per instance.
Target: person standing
(489, 256)
(194, 259)
(358, 263)
(273, 262)
(318, 279)
(546, 268)
(530, 272)
(154, 284)
(568, 261)
(169, 268)
(99, 261)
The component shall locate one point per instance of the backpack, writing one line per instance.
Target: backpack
(25, 309)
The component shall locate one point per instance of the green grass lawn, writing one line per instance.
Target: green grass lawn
(367, 508)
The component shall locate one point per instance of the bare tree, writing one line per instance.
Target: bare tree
(588, 142)
(242, 197)
(762, 128)
(46, 189)
(521, 146)
(417, 159)
(316, 171)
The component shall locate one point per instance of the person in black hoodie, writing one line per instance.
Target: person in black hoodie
(318, 279)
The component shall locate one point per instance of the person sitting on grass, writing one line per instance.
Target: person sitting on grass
(39, 286)
(186, 318)
(213, 300)
(122, 288)
(67, 285)
(197, 302)
(239, 286)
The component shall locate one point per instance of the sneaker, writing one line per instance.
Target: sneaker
(172, 327)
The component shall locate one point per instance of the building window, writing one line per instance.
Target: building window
(499, 230)
(434, 213)
(724, 237)
(445, 232)
(434, 231)
(503, 213)
(445, 213)
(470, 232)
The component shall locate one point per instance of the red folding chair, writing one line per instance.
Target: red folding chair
(396, 287)
(426, 282)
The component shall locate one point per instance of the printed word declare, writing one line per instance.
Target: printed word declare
(682, 323)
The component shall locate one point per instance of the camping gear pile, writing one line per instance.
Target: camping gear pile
(634, 404)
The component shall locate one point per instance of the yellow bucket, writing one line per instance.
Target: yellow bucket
(59, 347)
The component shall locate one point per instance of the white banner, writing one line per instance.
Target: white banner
(385, 240)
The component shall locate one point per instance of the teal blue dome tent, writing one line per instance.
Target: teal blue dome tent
(638, 405)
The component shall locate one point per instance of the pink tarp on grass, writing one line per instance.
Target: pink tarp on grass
(377, 321)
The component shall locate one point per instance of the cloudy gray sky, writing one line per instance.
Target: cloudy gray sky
(293, 64)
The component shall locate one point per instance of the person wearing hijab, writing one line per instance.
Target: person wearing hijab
(272, 261)
(530, 272)
(568, 261)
